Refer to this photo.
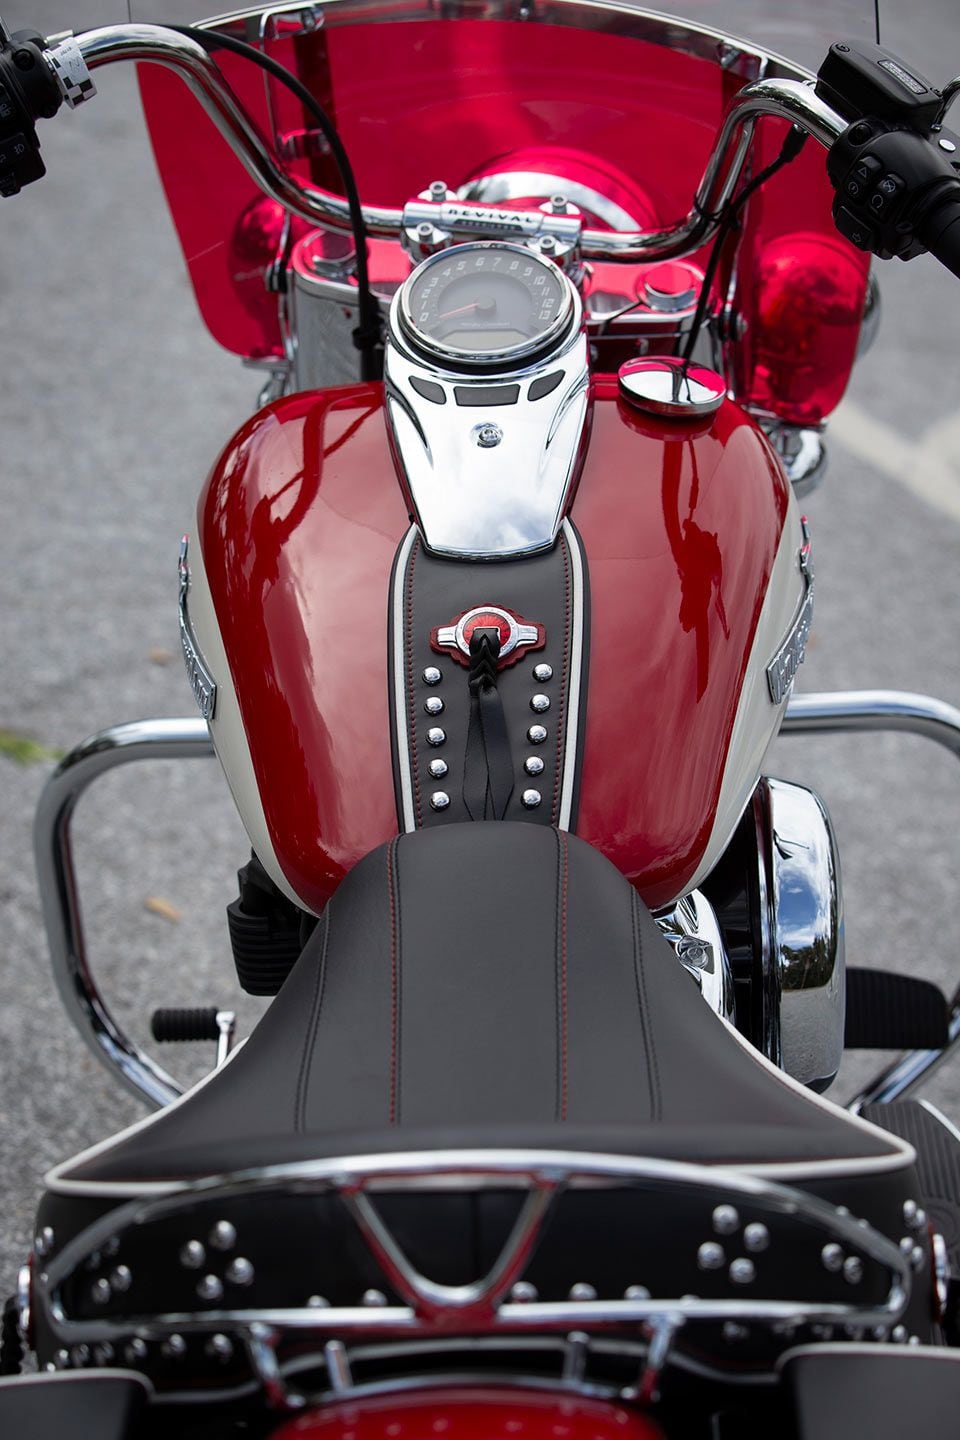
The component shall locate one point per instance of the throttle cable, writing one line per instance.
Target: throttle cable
(367, 336)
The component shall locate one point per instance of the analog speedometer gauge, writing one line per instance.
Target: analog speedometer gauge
(485, 304)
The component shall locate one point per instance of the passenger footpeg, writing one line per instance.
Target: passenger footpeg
(893, 1012)
(205, 1023)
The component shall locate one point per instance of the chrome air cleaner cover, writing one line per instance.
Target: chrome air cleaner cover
(487, 396)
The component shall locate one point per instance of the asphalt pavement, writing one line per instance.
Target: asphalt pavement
(113, 403)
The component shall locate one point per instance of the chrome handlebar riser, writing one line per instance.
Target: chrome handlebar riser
(791, 100)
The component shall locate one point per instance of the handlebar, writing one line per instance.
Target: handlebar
(941, 235)
(791, 100)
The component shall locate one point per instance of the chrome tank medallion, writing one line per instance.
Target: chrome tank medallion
(487, 391)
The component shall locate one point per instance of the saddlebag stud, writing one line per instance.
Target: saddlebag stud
(223, 1236)
(756, 1237)
(523, 1293)
(192, 1255)
(725, 1220)
(121, 1278)
(44, 1241)
(210, 1288)
(711, 1256)
(831, 1257)
(742, 1271)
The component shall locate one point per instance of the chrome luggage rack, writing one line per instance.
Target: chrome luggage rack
(741, 1209)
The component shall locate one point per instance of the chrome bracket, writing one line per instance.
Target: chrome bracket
(261, 1345)
(476, 1304)
(202, 683)
(782, 670)
(431, 225)
(663, 1332)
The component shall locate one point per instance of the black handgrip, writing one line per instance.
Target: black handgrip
(180, 1025)
(940, 232)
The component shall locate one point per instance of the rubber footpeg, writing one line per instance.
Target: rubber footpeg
(183, 1025)
(894, 1012)
(938, 1164)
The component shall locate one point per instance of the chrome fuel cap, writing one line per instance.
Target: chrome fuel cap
(663, 385)
(670, 287)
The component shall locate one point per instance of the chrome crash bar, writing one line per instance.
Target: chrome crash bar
(854, 710)
(859, 710)
(781, 99)
(53, 853)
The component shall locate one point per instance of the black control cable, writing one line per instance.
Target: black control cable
(792, 146)
(367, 336)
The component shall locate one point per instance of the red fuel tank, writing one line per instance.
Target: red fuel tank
(690, 541)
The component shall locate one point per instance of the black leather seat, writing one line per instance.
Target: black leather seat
(483, 986)
(490, 984)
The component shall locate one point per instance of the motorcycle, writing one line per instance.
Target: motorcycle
(491, 613)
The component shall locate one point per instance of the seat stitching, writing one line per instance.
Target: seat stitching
(306, 1059)
(564, 682)
(650, 1054)
(561, 975)
(394, 983)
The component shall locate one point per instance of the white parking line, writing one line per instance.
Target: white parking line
(930, 467)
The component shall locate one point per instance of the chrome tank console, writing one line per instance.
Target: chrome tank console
(487, 386)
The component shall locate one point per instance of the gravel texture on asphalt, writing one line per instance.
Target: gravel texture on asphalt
(113, 404)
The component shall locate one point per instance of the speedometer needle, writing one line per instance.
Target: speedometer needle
(488, 306)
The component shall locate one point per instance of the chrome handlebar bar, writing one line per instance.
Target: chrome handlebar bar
(791, 100)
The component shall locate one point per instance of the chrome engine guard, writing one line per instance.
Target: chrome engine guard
(190, 738)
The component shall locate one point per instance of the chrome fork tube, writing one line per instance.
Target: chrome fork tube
(143, 740)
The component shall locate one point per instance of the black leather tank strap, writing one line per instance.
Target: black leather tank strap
(540, 604)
